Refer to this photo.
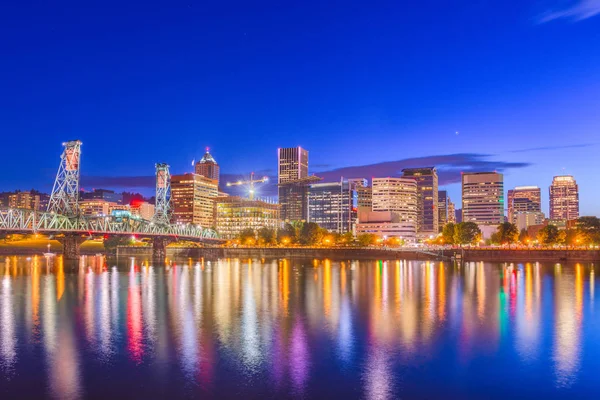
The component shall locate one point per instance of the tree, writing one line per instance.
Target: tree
(367, 239)
(550, 235)
(247, 236)
(448, 233)
(287, 235)
(467, 233)
(507, 233)
(524, 236)
(588, 229)
(347, 238)
(267, 235)
(311, 234)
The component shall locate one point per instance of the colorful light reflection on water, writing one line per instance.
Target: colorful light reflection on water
(282, 328)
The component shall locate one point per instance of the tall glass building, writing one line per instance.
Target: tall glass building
(427, 199)
(333, 205)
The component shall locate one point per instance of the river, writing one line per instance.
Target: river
(260, 329)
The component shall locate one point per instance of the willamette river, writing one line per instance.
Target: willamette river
(307, 329)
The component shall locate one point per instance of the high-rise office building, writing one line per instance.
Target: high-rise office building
(525, 206)
(483, 198)
(394, 209)
(427, 199)
(333, 205)
(451, 212)
(442, 208)
(193, 196)
(234, 214)
(293, 183)
(292, 164)
(564, 198)
(208, 167)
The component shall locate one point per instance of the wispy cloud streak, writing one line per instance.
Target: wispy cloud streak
(450, 167)
(582, 9)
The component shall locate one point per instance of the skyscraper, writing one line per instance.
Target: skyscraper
(208, 167)
(292, 164)
(483, 198)
(442, 208)
(332, 205)
(193, 198)
(427, 198)
(451, 212)
(564, 198)
(394, 209)
(293, 183)
(524, 204)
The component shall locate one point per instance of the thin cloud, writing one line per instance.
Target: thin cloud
(543, 148)
(449, 166)
(582, 9)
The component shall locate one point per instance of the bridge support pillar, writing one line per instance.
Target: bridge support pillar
(71, 245)
(159, 247)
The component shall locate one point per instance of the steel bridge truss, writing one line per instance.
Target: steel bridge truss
(21, 220)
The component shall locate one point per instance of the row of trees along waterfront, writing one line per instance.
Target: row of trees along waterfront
(585, 233)
(309, 234)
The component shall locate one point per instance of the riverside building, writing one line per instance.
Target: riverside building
(427, 199)
(333, 205)
(192, 197)
(293, 183)
(483, 198)
(394, 209)
(564, 198)
(234, 214)
(208, 167)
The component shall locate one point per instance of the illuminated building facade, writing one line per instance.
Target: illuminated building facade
(483, 198)
(442, 208)
(293, 183)
(96, 207)
(292, 164)
(525, 206)
(192, 198)
(143, 210)
(234, 214)
(451, 213)
(564, 198)
(333, 205)
(26, 200)
(208, 167)
(427, 199)
(394, 209)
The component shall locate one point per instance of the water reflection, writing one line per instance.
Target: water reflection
(276, 327)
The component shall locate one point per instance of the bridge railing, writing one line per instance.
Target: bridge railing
(17, 219)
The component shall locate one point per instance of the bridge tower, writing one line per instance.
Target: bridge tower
(65, 192)
(162, 210)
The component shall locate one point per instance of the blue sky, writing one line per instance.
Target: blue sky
(356, 83)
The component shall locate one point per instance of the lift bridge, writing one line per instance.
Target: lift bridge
(63, 218)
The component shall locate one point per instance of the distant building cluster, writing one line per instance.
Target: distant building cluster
(410, 207)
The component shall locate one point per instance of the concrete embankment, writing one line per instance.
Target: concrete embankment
(489, 255)
(546, 255)
(277, 252)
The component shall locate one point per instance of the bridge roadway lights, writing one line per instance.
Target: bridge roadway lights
(159, 247)
(71, 244)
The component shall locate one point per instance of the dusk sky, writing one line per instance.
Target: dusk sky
(368, 88)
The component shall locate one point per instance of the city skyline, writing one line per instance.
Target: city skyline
(511, 88)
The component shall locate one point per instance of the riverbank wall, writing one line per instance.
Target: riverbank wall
(488, 255)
